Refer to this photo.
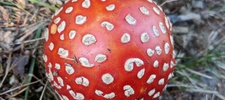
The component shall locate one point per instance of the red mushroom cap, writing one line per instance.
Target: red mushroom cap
(109, 49)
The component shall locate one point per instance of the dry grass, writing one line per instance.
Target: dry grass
(199, 42)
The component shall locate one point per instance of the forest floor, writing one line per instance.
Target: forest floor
(199, 36)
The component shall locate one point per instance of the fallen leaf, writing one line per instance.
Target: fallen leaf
(20, 63)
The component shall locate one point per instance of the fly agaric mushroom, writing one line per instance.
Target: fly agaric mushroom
(109, 49)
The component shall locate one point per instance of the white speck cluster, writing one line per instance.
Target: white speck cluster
(110, 49)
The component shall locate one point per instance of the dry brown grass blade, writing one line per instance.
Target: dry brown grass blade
(48, 88)
(167, 1)
(43, 91)
(28, 32)
(17, 93)
(208, 92)
(7, 69)
(22, 86)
